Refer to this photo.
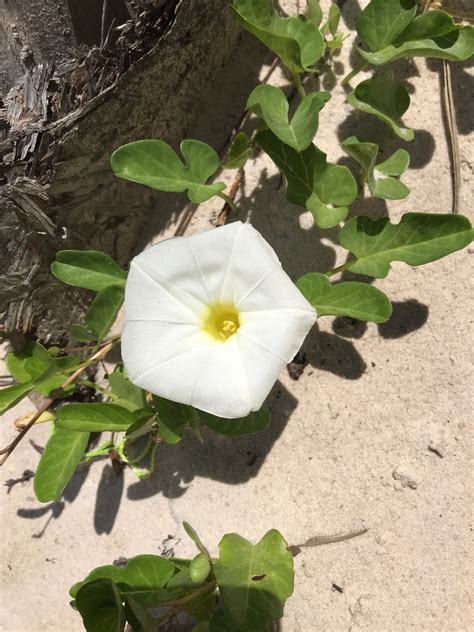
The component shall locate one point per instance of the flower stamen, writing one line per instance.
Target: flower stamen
(221, 321)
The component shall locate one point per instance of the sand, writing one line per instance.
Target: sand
(374, 434)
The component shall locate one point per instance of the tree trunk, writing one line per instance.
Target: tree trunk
(83, 82)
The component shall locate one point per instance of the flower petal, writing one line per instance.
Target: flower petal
(147, 299)
(268, 340)
(191, 369)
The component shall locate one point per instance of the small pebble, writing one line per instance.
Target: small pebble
(405, 476)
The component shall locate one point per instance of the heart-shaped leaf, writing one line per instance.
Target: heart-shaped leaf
(348, 298)
(98, 417)
(296, 40)
(252, 423)
(388, 28)
(101, 607)
(156, 164)
(240, 151)
(141, 578)
(61, 456)
(419, 238)
(379, 177)
(323, 188)
(382, 21)
(386, 99)
(89, 269)
(254, 580)
(271, 105)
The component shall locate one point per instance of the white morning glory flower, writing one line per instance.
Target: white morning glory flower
(212, 319)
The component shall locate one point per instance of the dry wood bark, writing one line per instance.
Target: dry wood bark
(71, 105)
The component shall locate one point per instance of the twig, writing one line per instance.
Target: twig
(453, 135)
(46, 405)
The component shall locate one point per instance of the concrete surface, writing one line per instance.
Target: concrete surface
(374, 434)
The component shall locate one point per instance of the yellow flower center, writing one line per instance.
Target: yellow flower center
(221, 321)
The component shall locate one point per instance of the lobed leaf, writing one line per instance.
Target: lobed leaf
(61, 455)
(89, 269)
(271, 105)
(347, 298)
(254, 580)
(387, 99)
(156, 164)
(323, 188)
(419, 238)
(295, 40)
(379, 177)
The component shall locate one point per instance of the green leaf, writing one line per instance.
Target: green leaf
(296, 40)
(314, 12)
(431, 34)
(97, 417)
(173, 418)
(419, 238)
(271, 105)
(156, 164)
(81, 333)
(386, 99)
(382, 21)
(138, 616)
(101, 607)
(203, 626)
(200, 568)
(333, 19)
(348, 298)
(379, 177)
(192, 533)
(130, 396)
(62, 454)
(103, 311)
(240, 151)
(142, 578)
(90, 269)
(252, 423)
(32, 363)
(254, 580)
(11, 395)
(323, 188)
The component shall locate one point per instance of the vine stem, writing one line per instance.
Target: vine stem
(298, 83)
(359, 68)
(341, 268)
(229, 201)
(96, 357)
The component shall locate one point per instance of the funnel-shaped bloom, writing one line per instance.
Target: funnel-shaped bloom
(212, 319)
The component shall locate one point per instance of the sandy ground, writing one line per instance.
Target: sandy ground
(374, 434)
